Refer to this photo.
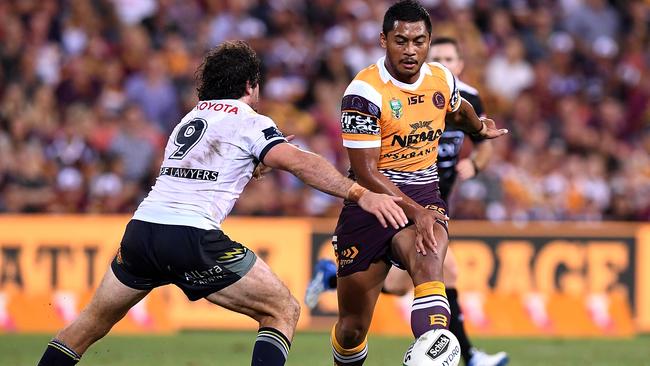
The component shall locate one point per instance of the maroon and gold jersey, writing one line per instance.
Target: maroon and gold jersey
(404, 120)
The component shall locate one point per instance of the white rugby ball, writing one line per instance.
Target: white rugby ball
(437, 347)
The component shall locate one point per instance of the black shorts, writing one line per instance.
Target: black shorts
(360, 240)
(198, 261)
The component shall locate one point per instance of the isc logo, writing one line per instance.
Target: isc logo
(416, 99)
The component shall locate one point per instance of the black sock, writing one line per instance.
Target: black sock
(332, 281)
(58, 354)
(456, 325)
(271, 348)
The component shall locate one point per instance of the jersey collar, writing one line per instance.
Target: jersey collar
(241, 105)
(386, 76)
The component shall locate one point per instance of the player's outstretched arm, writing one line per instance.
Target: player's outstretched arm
(466, 119)
(320, 174)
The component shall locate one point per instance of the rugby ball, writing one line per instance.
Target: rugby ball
(437, 347)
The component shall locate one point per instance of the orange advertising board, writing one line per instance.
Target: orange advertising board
(539, 279)
(50, 265)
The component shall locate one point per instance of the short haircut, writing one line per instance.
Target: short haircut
(407, 11)
(447, 40)
(226, 70)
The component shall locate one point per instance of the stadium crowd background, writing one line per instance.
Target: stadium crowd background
(89, 91)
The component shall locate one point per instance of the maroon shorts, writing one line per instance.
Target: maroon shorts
(359, 239)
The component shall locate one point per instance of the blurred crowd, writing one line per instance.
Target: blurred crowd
(90, 89)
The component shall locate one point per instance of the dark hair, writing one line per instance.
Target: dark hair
(446, 40)
(407, 11)
(226, 70)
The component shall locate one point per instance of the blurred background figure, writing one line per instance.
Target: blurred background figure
(87, 89)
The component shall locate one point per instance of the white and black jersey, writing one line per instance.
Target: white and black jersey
(451, 142)
(209, 158)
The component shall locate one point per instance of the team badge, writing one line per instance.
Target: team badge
(396, 108)
(439, 100)
(272, 132)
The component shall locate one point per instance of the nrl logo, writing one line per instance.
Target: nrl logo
(396, 108)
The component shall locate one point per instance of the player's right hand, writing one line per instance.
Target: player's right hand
(490, 131)
(384, 208)
(424, 233)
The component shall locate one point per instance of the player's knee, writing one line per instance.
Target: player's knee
(285, 309)
(293, 310)
(352, 330)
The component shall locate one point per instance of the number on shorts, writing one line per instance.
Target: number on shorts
(188, 136)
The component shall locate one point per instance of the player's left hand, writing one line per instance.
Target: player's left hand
(261, 169)
(489, 129)
(465, 169)
(385, 209)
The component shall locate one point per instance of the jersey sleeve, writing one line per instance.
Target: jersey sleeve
(454, 92)
(360, 116)
(260, 135)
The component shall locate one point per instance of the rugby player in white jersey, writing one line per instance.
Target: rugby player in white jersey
(174, 236)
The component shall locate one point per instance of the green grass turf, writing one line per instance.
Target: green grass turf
(313, 349)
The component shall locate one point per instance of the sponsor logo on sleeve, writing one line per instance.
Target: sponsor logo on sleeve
(272, 132)
(357, 123)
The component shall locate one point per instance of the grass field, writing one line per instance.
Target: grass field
(312, 349)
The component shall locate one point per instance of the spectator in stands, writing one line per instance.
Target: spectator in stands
(86, 88)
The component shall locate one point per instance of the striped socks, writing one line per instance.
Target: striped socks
(58, 354)
(271, 348)
(430, 308)
(348, 357)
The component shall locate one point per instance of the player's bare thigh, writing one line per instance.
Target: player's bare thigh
(421, 268)
(398, 282)
(261, 295)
